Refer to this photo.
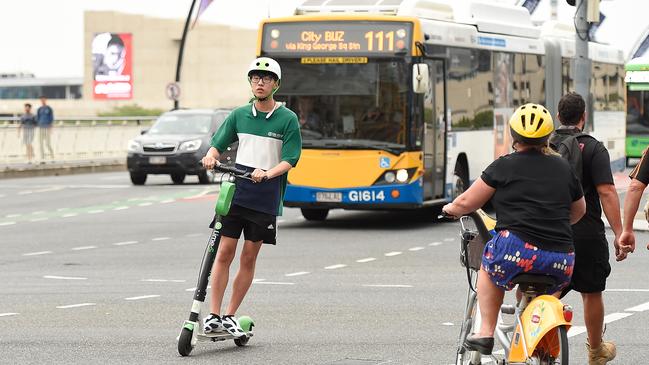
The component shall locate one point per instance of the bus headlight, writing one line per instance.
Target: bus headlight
(402, 175)
(389, 177)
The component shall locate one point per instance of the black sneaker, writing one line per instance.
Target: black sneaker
(232, 326)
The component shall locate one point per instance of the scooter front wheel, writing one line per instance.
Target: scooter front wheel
(185, 342)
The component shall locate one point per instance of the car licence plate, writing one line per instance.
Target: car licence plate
(326, 196)
(157, 160)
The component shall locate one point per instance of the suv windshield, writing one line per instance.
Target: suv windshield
(182, 124)
(348, 105)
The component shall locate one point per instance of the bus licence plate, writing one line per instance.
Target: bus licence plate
(326, 196)
(157, 160)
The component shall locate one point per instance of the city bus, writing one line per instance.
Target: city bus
(402, 104)
(637, 105)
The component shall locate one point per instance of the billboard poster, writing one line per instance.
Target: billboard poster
(112, 63)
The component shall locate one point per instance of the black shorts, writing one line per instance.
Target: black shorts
(256, 226)
(591, 265)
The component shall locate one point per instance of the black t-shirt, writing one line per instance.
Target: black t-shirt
(533, 196)
(596, 171)
(641, 170)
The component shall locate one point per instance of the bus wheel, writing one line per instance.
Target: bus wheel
(460, 181)
(315, 214)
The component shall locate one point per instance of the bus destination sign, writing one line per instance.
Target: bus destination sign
(337, 37)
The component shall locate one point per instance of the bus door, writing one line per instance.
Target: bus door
(434, 148)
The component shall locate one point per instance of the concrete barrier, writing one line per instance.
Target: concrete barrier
(74, 139)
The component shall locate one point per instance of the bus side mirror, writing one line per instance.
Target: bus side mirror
(420, 78)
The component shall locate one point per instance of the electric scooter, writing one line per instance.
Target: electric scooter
(192, 329)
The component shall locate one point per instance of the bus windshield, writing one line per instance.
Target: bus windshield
(348, 105)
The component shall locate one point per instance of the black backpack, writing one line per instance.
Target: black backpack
(565, 142)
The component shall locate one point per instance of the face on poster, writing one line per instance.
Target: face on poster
(112, 66)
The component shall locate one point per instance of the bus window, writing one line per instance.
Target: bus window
(470, 98)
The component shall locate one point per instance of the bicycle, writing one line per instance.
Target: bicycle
(538, 334)
(192, 329)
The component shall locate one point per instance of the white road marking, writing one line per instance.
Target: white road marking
(70, 215)
(576, 330)
(37, 253)
(95, 211)
(362, 261)
(39, 219)
(167, 201)
(628, 290)
(639, 308)
(298, 273)
(6, 223)
(163, 281)
(146, 204)
(208, 287)
(25, 192)
(449, 239)
(142, 297)
(448, 324)
(75, 305)
(63, 277)
(8, 314)
(333, 267)
(124, 243)
(418, 248)
(120, 208)
(12, 215)
(81, 248)
(273, 283)
(160, 238)
(387, 286)
(615, 317)
(434, 244)
(393, 253)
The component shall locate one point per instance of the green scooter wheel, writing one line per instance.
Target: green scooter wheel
(246, 323)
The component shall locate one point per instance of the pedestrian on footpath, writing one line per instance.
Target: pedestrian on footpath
(27, 125)
(591, 246)
(45, 118)
(639, 181)
(269, 146)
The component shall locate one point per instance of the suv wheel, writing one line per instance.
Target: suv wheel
(178, 178)
(204, 177)
(138, 178)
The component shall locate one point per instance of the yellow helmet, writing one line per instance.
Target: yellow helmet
(531, 124)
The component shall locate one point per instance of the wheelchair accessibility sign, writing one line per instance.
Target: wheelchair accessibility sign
(384, 162)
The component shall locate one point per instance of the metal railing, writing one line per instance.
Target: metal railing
(83, 138)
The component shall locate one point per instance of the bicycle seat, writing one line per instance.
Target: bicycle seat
(534, 282)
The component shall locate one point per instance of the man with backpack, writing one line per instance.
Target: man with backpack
(590, 160)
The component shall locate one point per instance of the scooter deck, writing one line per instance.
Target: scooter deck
(219, 336)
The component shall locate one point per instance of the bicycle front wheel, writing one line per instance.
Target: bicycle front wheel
(553, 348)
(463, 356)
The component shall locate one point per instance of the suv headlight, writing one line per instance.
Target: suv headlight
(190, 146)
(134, 146)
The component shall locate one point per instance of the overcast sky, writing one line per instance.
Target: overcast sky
(45, 37)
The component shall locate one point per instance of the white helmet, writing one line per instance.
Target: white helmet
(265, 64)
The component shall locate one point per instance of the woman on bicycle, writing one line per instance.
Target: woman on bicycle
(537, 197)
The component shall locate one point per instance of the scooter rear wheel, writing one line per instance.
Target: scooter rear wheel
(241, 341)
(185, 342)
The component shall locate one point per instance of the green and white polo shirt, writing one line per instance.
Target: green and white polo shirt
(263, 143)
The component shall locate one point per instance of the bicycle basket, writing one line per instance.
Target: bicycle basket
(472, 244)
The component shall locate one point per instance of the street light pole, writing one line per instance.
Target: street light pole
(182, 48)
(582, 62)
